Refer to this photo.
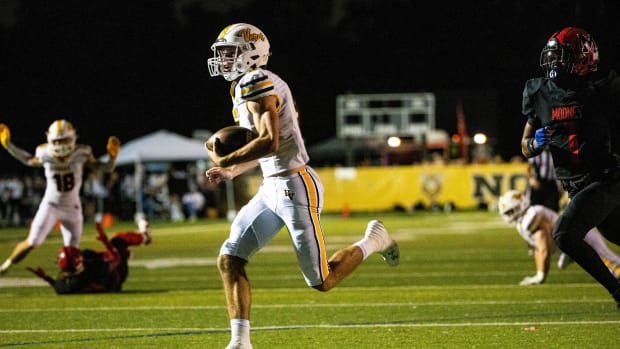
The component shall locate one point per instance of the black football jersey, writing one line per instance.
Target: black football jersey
(583, 121)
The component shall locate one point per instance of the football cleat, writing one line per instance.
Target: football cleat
(239, 345)
(386, 247)
(564, 261)
(5, 267)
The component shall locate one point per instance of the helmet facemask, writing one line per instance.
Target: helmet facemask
(570, 51)
(61, 138)
(224, 62)
(557, 60)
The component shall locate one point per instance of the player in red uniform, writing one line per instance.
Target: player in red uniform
(89, 271)
(574, 111)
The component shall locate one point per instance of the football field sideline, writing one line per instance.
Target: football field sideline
(456, 287)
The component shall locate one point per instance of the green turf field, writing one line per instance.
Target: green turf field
(456, 287)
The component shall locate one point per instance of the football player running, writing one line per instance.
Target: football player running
(291, 194)
(535, 225)
(63, 161)
(573, 110)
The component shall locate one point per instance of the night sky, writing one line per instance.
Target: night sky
(128, 68)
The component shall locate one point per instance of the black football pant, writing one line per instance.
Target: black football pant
(597, 205)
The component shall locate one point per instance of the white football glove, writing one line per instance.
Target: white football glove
(537, 279)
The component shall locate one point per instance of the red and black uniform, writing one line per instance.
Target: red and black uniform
(582, 114)
(100, 271)
(580, 117)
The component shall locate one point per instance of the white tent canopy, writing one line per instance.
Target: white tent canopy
(161, 145)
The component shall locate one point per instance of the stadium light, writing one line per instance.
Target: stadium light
(394, 141)
(480, 138)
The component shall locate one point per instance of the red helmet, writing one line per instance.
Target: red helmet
(569, 51)
(70, 259)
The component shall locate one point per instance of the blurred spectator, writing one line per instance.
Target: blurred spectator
(94, 192)
(5, 201)
(176, 209)
(194, 203)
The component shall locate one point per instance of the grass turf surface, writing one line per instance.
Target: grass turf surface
(456, 287)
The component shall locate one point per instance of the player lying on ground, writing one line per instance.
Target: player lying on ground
(535, 225)
(89, 271)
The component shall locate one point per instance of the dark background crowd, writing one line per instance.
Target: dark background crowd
(175, 193)
(128, 68)
(131, 67)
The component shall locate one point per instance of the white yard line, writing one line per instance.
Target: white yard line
(275, 328)
(297, 306)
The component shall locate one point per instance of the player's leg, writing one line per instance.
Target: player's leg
(20, 251)
(345, 261)
(72, 225)
(300, 199)
(610, 227)
(564, 260)
(253, 227)
(610, 259)
(42, 223)
(587, 209)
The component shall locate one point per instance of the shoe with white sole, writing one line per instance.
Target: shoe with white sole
(4, 268)
(239, 345)
(387, 247)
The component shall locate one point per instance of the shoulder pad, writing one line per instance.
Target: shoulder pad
(531, 220)
(533, 85)
(255, 84)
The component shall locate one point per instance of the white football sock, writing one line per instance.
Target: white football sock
(368, 246)
(240, 330)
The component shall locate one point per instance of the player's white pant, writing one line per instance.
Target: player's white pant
(294, 201)
(47, 215)
(611, 260)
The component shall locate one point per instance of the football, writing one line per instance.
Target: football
(229, 139)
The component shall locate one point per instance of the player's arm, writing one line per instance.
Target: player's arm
(21, 155)
(42, 274)
(543, 249)
(534, 140)
(221, 174)
(113, 148)
(264, 112)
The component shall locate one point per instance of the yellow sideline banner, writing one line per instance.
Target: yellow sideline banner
(385, 188)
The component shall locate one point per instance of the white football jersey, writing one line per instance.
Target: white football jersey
(260, 83)
(529, 222)
(63, 177)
